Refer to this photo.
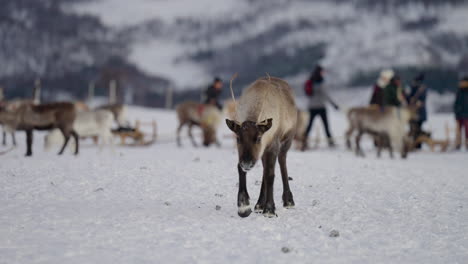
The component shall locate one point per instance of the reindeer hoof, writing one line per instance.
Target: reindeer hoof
(269, 211)
(288, 201)
(28, 155)
(269, 214)
(259, 208)
(288, 204)
(244, 211)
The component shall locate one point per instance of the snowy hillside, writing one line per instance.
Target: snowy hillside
(162, 204)
(189, 41)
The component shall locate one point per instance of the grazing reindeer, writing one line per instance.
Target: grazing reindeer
(43, 117)
(265, 128)
(207, 117)
(390, 121)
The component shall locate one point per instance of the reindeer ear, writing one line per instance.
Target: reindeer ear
(265, 125)
(233, 125)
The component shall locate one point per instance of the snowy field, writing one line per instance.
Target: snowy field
(157, 204)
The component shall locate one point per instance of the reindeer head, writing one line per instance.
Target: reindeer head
(209, 135)
(249, 140)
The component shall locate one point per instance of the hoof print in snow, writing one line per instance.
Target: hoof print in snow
(290, 178)
(285, 250)
(334, 233)
(218, 207)
(320, 227)
(99, 190)
(315, 202)
(197, 159)
(218, 195)
(167, 203)
(143, 168)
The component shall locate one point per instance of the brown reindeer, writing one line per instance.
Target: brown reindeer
(207, 117)
(389, 122)
(265, 128)
(30, 117)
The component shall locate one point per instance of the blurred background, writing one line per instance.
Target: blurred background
(160, 52)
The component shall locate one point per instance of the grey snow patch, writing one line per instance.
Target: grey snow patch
(218, 207)
(285, 249)
(99, 189)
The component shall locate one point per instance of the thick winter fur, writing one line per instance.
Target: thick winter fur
(265, 128)
(96, 123)
(119, 111)
(207, 117)
(391, 121)
(43, 117)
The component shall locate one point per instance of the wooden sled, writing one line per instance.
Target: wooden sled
(139, 138)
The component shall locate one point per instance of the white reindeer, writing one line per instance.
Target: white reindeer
(96, 123)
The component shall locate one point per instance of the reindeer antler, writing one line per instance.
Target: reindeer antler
(234, 76)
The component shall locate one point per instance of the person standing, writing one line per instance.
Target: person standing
(213, 92)
(318, 97)
(417, 97)
(460, 108)
(377, 98)
(393, 93)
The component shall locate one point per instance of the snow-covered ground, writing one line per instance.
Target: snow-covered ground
(158, 204)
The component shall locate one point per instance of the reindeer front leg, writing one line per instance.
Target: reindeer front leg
(288, 201)
(269, 178)
(243, 204)
(29, 141)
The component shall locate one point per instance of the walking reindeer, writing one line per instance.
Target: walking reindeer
(265, 128)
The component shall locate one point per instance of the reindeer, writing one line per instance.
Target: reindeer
(390, 122)
(265, 128)
(207, 117)
(95, 124)
(43, 117)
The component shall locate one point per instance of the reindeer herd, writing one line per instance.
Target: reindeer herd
(265, 121)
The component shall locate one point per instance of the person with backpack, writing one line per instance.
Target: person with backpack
(318, 97)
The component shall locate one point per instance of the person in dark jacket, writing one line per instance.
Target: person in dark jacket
(460, 108)
(417, 96)
(317, 100)
(377, 98)
(393, 93)
(213, 93)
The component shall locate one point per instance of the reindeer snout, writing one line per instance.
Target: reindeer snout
(246, 165)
